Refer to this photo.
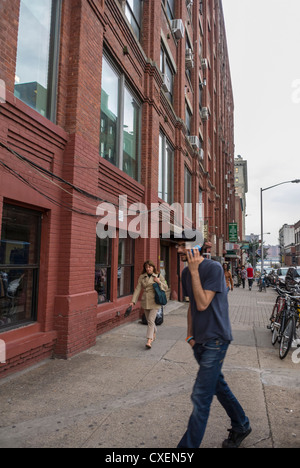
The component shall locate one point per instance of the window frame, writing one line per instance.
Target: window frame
(126, 265)
(188, 192)
(123, 85)
(106, 266)
(137, 21)
(165, 181)
(188, 118)
(27, 267)
(165, 67)
(53, 64)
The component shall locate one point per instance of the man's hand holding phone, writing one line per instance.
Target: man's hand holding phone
(194, 259)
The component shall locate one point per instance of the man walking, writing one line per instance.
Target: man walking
(209, 334)
(250, 276)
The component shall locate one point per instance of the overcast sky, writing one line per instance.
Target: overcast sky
(263, 39)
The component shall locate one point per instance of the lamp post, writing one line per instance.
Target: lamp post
(296, 181)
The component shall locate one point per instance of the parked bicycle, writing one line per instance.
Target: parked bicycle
(277, 314)
(285, 321)
(291, 331)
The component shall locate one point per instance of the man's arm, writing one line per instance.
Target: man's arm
(190, 327)
(202, 297)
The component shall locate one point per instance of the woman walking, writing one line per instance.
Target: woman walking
(146, 281)
(228, 277)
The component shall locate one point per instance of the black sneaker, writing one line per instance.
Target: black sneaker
(235, 438)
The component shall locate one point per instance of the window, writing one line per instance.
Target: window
(103, 269)
(120, 122)
(201, 208)
(19, 266)
(187, 193)
(166, 170)
(189, 59)
(170, 5)
(133, 11)
(189, 6)
(126, 267)
(200, 97)
(37, 55)
(188, 118)
(167, 72)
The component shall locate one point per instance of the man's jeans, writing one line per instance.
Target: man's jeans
(210, 381)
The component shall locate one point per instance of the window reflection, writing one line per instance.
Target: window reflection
(35, 54)
(131, 133)
(109, 113)
(166, 170)
(126, 267)
(133, 11)
(19, 265)
(120, 122)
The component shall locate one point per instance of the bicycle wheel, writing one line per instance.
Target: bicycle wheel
(277, 326)
(274, 315)
(287, 338)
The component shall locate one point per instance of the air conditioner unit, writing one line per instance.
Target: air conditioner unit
(177, 27)
(189, 58)
(204, 63)
(204, 113)
(201, 153)
(194, 141)
(166, 86)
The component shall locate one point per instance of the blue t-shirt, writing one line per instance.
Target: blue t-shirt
(212, 323)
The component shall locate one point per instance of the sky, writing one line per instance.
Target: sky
(263, 38)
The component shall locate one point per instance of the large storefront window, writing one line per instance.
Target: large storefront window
(19, 266)
(37, 55)
(126, 267)
(103, 269)
(120, 125)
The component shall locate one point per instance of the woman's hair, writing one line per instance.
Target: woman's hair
(148, 262)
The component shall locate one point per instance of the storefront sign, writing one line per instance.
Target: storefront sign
(233, 232)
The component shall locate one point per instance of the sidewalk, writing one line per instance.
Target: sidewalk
(120, 395)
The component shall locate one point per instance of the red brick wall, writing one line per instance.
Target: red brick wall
(69, 318)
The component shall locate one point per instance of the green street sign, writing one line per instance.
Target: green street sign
(233, 232)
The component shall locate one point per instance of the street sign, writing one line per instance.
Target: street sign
(233, 232)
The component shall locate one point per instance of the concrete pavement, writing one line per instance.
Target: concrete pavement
(120, 395)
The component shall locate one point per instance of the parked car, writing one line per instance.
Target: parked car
(281, 272)
(292, 279)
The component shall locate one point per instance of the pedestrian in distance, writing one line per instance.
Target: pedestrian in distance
(146, 281)
(209, 334)
(243, 275)
(228, 277)
(250, 276)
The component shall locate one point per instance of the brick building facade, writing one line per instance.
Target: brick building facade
(103, 99)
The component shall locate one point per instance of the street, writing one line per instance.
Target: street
(120, 395)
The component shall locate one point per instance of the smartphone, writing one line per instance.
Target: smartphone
(195, 248)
